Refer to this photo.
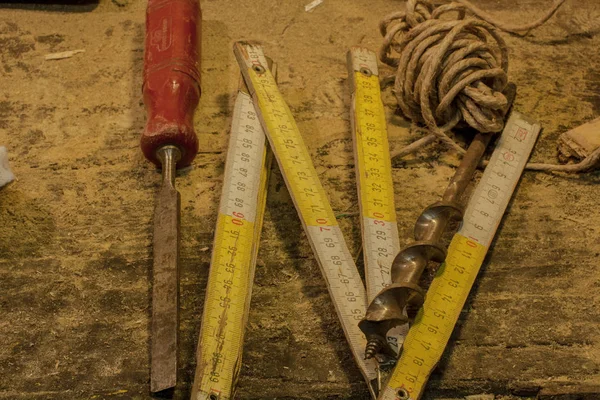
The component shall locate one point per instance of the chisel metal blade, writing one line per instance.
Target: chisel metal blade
(165, 277)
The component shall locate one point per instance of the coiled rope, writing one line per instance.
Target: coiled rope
(451, 69)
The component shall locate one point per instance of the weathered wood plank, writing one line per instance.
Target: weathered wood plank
(75, 229)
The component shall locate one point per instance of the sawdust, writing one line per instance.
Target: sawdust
(75, 252)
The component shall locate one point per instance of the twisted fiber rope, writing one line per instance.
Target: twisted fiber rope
(452, 69)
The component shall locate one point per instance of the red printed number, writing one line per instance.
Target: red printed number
(238, 220)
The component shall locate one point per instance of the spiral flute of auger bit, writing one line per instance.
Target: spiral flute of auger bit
(387, 309)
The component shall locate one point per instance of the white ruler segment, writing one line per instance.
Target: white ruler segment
(447, 294)
(233, 262)
(245, 160)
(374, 178)
(491, 196)
(331, 252)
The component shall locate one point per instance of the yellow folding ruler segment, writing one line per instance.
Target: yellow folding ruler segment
(374, 177)
(343, 280)
(234, 254)
(448, 292)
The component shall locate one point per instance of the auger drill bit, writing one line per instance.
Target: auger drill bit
(387, 309)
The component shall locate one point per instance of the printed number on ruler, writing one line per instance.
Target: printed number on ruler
(429, 335)
(497, 186)
(343, 281)
(374, 177)
(374, 170)
(234, 252)
(434, 323)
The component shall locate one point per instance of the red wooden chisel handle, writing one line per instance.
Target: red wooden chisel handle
(171, 77)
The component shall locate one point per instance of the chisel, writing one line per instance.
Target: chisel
(171, 93)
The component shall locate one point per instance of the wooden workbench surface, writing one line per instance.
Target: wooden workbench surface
(75, 229)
